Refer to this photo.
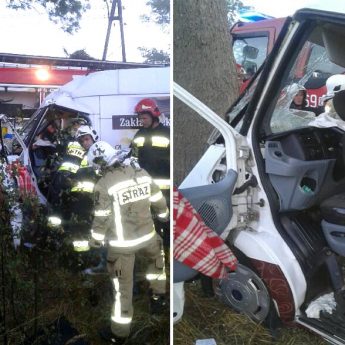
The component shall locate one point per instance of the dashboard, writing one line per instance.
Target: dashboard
(314, 143)
(309, 144)
(306, 165)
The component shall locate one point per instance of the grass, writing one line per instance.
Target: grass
(42, 286)
(206, 317)
(39, 290)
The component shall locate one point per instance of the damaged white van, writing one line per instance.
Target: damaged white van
(104, 99)
(272, 183)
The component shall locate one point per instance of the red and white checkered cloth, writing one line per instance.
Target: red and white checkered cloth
(26, 188)
(23, 179)
(196, 245)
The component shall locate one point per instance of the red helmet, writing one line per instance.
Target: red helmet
(147, 105)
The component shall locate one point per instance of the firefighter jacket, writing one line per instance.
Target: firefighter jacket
(81, 205)
(123, 196)
(62, 181)
(151, 146)
(71, 197)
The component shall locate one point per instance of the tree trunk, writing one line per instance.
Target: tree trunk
(204, 66)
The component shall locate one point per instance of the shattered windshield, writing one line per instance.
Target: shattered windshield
(237, 111)
(285, 116)
(301, 99)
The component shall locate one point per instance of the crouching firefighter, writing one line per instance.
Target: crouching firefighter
(123, 197)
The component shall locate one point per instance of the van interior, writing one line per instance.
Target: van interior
(45, 136)
(302, 154)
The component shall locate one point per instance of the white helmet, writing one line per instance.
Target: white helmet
(101, 154)
(87, 130)
(334, 84)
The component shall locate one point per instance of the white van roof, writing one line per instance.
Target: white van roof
(155, 80)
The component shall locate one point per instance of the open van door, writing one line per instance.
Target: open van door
(210, 185)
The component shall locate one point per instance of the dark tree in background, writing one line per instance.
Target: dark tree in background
(233, 7)
(80, 54)
(204, 66)
(66, 13)
(160, 14)
(155, 56)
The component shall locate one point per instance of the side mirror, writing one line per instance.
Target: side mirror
(250, 52)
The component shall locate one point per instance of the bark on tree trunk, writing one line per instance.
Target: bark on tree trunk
(203, 65)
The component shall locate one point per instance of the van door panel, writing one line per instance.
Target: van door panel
(213, 203)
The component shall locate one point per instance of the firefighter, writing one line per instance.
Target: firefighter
(123, 196)
(66, 175)
(151, 147)
(81, 194)
(61, 184)
(71, 194)
(86, 136)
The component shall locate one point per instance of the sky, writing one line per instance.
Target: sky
(30, 32)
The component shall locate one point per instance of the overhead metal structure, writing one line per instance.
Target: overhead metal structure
(112, 18)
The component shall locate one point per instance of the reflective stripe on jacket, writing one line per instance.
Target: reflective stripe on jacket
(123, 200)
(151, 146)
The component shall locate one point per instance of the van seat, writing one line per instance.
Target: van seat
(333, 209)
(333, 223)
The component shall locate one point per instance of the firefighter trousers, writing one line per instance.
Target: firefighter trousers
(120, 267)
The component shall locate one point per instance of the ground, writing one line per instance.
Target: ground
(206, 317)
(43, 290)
(37, 290)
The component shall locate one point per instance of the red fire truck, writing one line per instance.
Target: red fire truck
(253, 42)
